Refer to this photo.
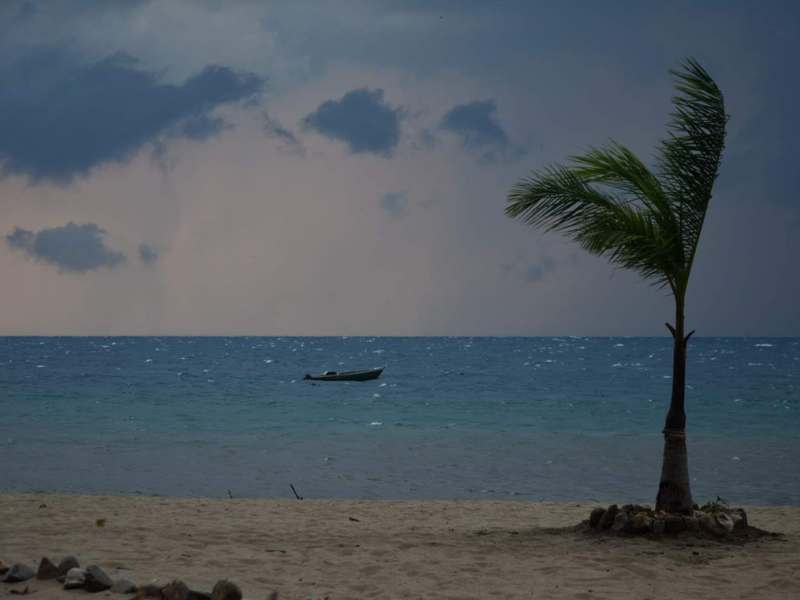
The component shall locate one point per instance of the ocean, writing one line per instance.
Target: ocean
(564, 418)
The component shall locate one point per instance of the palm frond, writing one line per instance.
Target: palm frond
(620, 169)
(612, 204)
(555, 199)
(690, 156)
(561, 199)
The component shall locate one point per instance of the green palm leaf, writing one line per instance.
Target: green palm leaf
(690, 157)
(607, 222)
(613, 205)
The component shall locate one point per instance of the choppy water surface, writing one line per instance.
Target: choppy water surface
(537, 418)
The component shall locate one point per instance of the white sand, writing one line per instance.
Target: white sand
(310, 549)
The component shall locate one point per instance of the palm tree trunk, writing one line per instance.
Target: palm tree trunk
(674, 493)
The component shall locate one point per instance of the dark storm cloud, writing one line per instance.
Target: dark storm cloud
(71, 247)
(199, 127)
(274, 129)
(147, 254)
(476, 123)
(26, 10)
(395, 203)
(58, 119)
(477, 126)
(361, 118)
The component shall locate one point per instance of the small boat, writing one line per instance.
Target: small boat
(346, 375)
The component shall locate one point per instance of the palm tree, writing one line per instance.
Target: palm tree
(613, 205)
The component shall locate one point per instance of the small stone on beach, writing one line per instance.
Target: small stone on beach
(608, 517)
(226, 590)
(719, 524)
(47, 570)
(67, 563)
(97, 580)
(175, 590)
(18, 572)
(595, 516)
(674, 524)
(739, 518)
(641, 523)
(691, 523)
(75, 579)
(622, 522)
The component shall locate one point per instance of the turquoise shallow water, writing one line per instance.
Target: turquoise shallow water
(537, 418)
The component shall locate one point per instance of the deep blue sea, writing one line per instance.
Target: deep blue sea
(503, 418)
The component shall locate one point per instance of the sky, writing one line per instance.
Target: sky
(341, 168)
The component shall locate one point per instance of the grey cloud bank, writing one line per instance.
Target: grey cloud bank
(477, 126)
(362, 119)
(60, 118)
(199, 127)
(274, 129)
(476, 123)
(71, 247)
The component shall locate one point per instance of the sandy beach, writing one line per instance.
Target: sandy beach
(380, 549)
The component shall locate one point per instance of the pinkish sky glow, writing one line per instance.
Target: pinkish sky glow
(314, 168)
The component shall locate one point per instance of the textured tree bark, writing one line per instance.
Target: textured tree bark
(674, 492)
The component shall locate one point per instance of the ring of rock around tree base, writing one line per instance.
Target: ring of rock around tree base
(635, 519)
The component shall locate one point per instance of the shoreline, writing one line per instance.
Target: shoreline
(587, 503)
(387, 549)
